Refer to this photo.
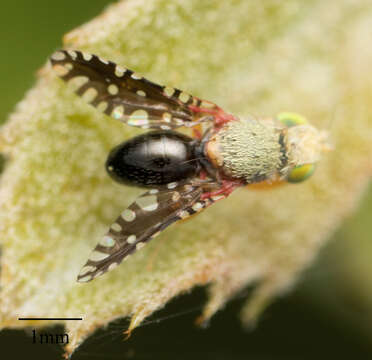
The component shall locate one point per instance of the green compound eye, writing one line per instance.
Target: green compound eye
(291, 119)
(301, 173)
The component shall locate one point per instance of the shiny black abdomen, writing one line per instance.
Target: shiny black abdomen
(154, 158)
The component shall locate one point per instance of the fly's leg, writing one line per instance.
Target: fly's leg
(154, 255)
(220, 116)
(197, 132)
(224, 190)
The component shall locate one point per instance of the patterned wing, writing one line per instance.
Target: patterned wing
(144, 219)
(127, 96)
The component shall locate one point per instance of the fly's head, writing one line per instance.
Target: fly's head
(305, 145)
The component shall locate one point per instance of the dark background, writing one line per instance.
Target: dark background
(326, 316)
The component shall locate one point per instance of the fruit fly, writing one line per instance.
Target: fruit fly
(185, 174)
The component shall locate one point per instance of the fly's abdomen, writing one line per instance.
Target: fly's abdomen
(154, 158)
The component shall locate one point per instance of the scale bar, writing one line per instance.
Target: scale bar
(54, 318)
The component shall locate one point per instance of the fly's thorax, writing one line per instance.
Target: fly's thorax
(248, 149)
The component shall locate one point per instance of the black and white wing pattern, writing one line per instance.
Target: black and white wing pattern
(144, 219)
(127, 96)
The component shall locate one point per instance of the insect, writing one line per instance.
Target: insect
(185, 174)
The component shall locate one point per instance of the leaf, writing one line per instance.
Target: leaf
(248, 57)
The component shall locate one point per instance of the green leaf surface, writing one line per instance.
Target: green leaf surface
(257, 58)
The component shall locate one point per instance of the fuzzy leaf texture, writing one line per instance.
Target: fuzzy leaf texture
(258, 58)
